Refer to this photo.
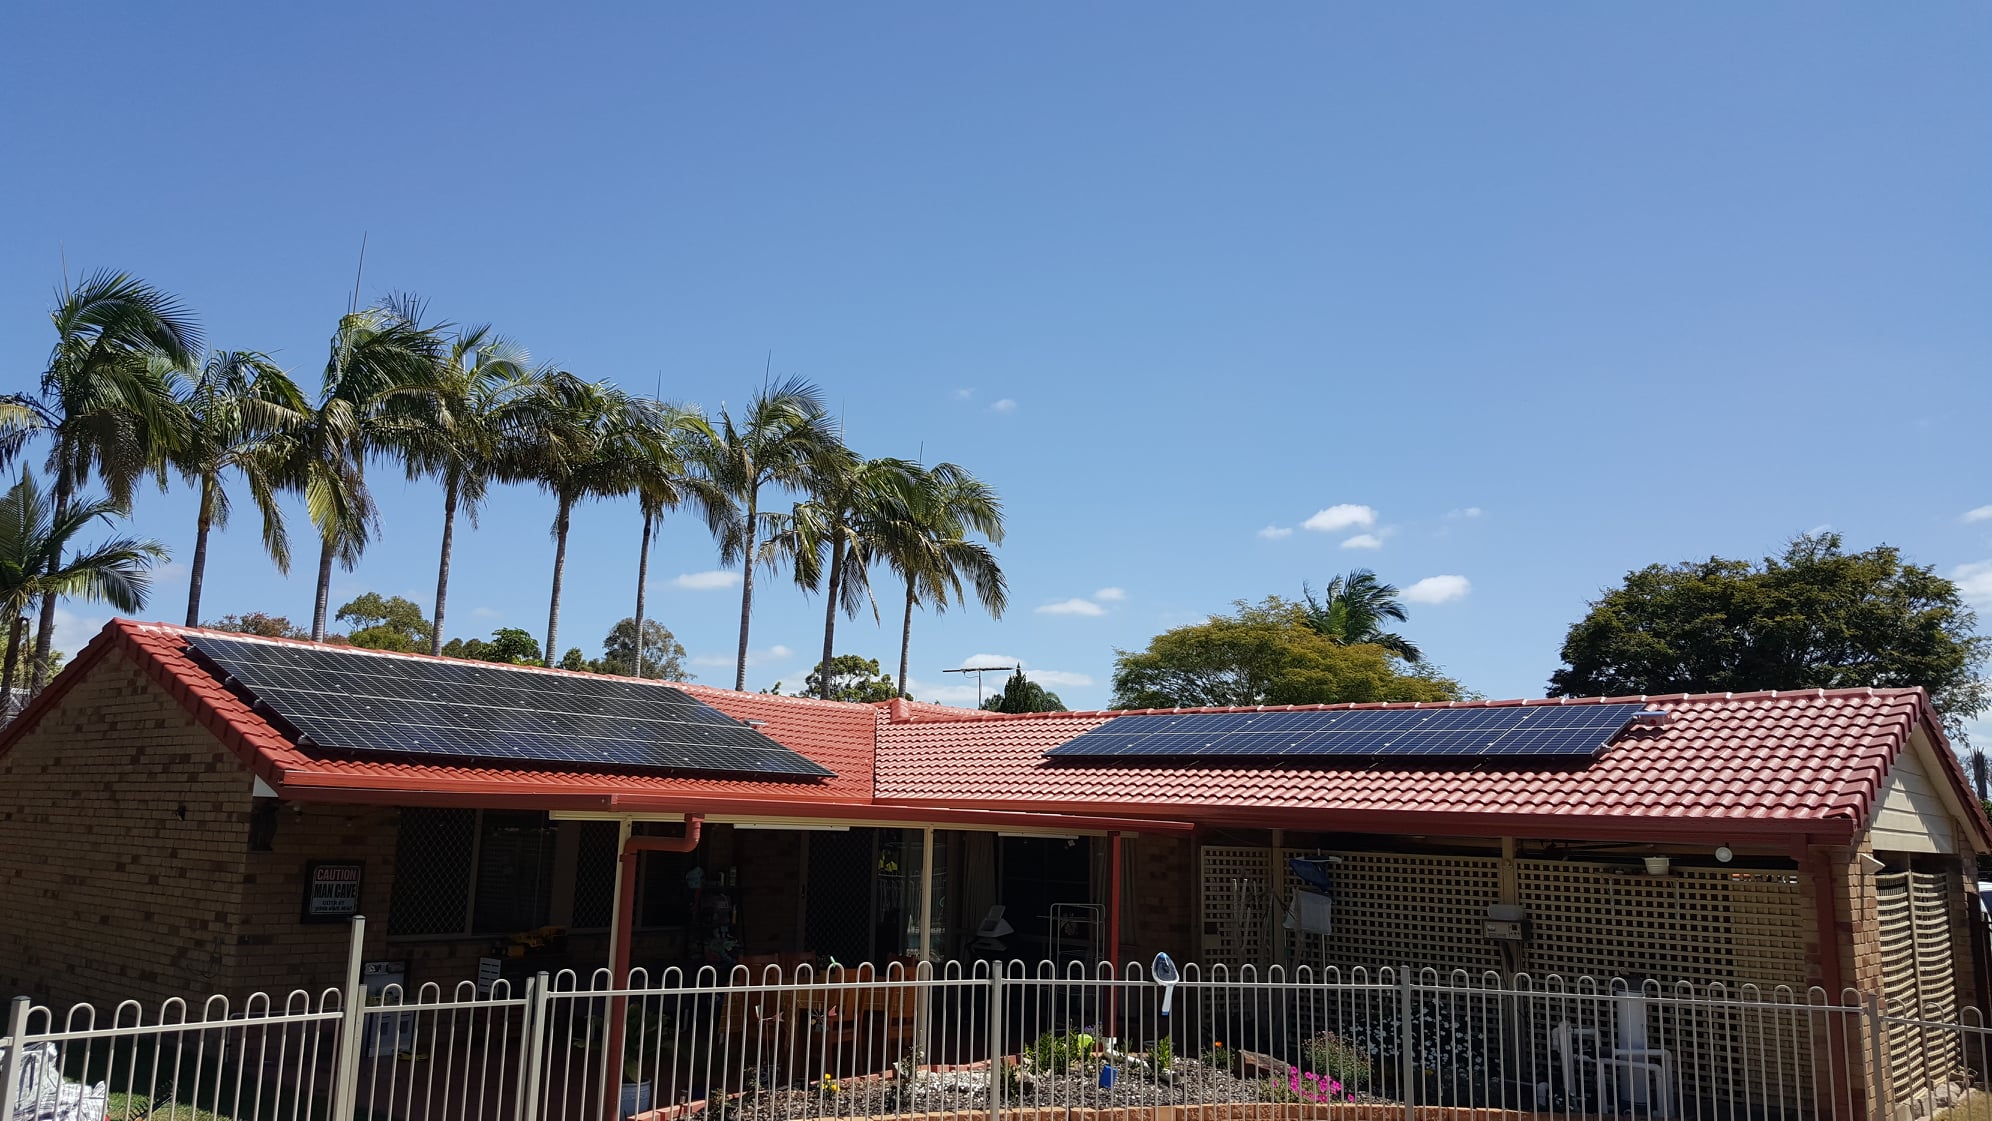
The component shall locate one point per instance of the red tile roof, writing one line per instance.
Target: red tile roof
(1789, 764)
(1792, 765)
(839, 736)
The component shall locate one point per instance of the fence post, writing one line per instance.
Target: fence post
(352, 1023)
(10, 1060)
(1407, 1065)
(1878, 1056)
(530, 1039)
(996, 1056)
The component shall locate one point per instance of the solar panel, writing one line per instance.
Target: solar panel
(1517, 731)
(347, 701)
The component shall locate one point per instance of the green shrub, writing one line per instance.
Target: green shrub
(1163, 1054)
(1331, 1055)
(1056, 1054)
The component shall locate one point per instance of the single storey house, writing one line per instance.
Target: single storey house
(184, 811)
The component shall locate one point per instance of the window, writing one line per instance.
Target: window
(498, 872)
(514, 891)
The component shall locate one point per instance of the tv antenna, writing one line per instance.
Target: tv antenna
(978, 671)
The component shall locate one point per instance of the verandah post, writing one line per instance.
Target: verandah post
(1407, 1065)
(10, 1062)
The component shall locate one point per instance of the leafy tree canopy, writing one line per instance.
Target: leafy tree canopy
(1268, 653)
(663, 655)
(393, 623)
(1353, 609)
(1022, 695)
(576, 661)
(258, 623)
(1816, 617)
(853, 678)
(509, 645)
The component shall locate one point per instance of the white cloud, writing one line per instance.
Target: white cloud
(1363, 541)
(948, 694)
(1346, 515)
(707, 581)
(1055, 678)
(775, 652)
(1006, 405)
(72, 631)
(1438, 589)
(1974, 580)
(1464, 512)
(1072, 607)
(1110, 595)
(989, 661)
(964, 394)
(1275, 532)
(1059, 678)
(486, 613)
(1980, 514)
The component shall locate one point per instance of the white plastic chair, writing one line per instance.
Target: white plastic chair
(1609, 1070)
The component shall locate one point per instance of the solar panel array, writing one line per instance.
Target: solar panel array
(1522, 731)
(343, 701)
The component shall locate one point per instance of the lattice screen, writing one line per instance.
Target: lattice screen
(1919, 981)
(1397, 910)
(595, 876)
(1237, 907)
(1700, 925)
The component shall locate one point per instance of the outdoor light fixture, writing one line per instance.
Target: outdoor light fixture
(1657, 865)
(1723, 854)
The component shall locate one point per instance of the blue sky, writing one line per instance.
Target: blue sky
(1519, 297)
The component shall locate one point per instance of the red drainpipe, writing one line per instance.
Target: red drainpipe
(1113, 927)
(619, 968)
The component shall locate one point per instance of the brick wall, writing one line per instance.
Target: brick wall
(1160, 896)
(278, 952)
(124, 834)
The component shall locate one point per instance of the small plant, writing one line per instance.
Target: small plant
(1311, 1087)
(1163, 1054)
(1056, 1054)
(1330, 1055)
(828, 1084)
(1220, 1057)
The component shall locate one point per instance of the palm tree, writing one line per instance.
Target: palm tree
(35, 536)
(464, 423)
(382, 359)
(856, 511)
(235, 405)
(935, 555)
(106, 397)
(664, 479)
(783, 430)
(591, 437)
(1352, 611)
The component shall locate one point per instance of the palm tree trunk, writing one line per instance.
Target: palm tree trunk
(642, 578)
(746, 593)
(443, 566)
(906, 638)
(324, 593)
(14, 628)
(559, 570)
(197, 572)
(830, 611)
(45, 630)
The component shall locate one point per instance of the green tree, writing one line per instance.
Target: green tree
(380, 358)
(856, 511)
(258, 623)
(664, 479)
(106, 397)
(661, 657)
(37, 536)
(782, 432)
(591, 438)
(461, 428)
(509, 645)
(1266, 653)
(390, 623)
(1021, 694)
(852, 678)
(1815, 617)
(937, 556)
(1353, 609)
(235, 404)
(575, 660)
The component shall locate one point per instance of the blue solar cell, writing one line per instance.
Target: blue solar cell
(1510, 731)
(345, 700)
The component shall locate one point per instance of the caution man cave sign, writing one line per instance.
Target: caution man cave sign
(331, 890)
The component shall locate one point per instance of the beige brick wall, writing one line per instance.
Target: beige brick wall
(123, 840)
(279, 952)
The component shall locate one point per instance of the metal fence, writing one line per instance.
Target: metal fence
(1000, 1042)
